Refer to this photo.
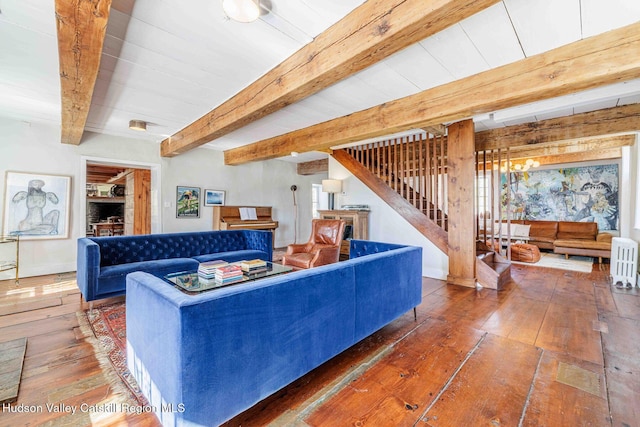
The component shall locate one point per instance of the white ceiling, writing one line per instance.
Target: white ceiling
(169, 62)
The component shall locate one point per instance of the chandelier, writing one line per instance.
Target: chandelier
(519, 167)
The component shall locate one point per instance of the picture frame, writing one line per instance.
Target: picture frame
(214, 197)
(187, 202)
(36, 206)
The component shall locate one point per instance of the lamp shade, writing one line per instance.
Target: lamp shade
(242, 10)
(331, 185)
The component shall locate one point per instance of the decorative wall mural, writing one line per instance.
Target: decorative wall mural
(588, 193)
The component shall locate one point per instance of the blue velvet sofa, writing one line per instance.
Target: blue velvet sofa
(202, 359)
(104, 262)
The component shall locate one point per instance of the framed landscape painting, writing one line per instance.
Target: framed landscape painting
(214, 197)
(36, 206)
(187, 202)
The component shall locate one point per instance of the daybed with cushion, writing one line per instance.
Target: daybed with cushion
(104, 262)
(220, 352)
(563, 237)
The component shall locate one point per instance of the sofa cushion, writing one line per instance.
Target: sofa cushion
(233, 256)
(577, 230)
(543, 230)
(582, 244)
(158, 268)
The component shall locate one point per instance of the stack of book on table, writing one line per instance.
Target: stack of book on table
(228, 274)
(253, 266)
(207, 270)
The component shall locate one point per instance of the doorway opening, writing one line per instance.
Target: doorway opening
(119, 198)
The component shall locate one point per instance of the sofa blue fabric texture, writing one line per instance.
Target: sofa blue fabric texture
(104, 262)
(212, 355)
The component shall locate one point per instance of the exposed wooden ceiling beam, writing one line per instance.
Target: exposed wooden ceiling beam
(102, 174)
(313, 167)
(602, 122)
(593, 62)
(436, 129)
(573, 146)
(120, 178)
(585, 156)
(81, 25)
(571, 151)
(371, 32)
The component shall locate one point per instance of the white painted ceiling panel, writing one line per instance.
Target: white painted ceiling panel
(597, 105)
(626, 100)
(419, 67)
(456, 52)
(169, 64)
(555, 113)
(34, 15)
(498, 43)
(352, 95)
(147, 103)
(29, 77)
(545, 24)
(599, 16)
(382, 79)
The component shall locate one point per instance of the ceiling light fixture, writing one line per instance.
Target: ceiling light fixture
(139, 125)
(242, 10)
(516, 167)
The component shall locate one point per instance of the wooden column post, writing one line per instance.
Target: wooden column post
(137, 218)
(460, 196)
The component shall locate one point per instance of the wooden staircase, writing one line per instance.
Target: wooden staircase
(493, 270)
(408, 174)
(416, 217)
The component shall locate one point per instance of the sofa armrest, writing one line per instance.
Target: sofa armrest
(325, 254)
(260, 240)
(88, 267)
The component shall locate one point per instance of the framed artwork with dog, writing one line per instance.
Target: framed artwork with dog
(36, 206)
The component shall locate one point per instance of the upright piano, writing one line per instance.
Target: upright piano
(229, 218)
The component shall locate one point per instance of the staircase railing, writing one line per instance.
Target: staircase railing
(415, 167)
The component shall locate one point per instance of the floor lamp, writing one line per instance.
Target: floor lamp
(331, 186)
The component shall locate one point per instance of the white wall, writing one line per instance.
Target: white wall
(265, 183)
(27, 147)
(385, 224)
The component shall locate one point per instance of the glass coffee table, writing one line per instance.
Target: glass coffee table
(190, 282)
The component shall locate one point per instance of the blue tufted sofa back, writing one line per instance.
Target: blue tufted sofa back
(149, 247)
(360, 248)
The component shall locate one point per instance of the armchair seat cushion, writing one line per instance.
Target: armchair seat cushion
(301, 260)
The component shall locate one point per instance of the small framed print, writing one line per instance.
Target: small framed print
(214, 197)
(187, 202)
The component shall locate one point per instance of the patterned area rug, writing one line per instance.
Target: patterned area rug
(574, 263)
(108, 324)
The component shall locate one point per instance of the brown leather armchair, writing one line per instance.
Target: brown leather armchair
(322, 248)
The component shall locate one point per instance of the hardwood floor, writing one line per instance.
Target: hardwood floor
(554, 348)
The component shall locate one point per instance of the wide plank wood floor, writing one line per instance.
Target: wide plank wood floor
(555, 348)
